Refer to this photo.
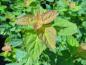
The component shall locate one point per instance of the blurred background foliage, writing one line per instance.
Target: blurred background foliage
(70, 25)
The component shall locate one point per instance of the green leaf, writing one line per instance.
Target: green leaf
(34, 47)
(72, 41)
(84, 24)
(67, 31)
(73, 44)
(50, 35)
(20, 54)
(2, 8)
(15, 42)
(50, 0)
(14, 64)
(68, 28)
(83, 62)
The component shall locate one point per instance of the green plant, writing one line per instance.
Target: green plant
(44, 32)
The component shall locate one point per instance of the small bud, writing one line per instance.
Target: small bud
(6, 48)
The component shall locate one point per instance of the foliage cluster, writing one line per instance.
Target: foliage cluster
(60, 42)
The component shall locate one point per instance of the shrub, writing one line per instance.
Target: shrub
(43, 32)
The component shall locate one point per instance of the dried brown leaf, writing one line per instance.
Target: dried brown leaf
(24, 20)
(49, 16)
(38, 20)
(6, 48)
(83, 46)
